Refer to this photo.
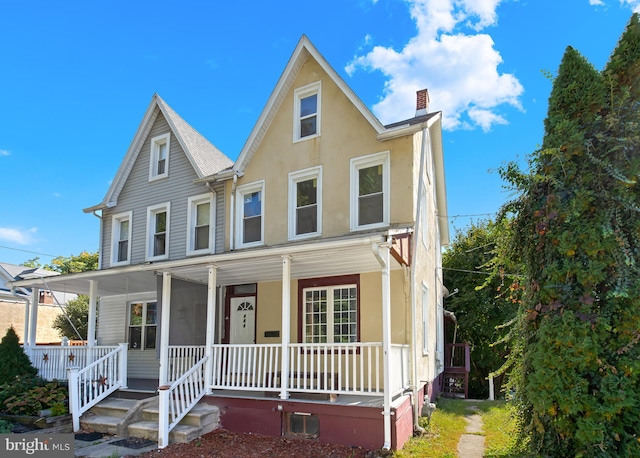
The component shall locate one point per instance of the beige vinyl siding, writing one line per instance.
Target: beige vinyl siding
(139, 193)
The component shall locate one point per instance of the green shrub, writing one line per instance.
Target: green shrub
(5, 427)
(13, 360)
(36, 399)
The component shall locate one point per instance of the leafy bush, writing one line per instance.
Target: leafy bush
(5, 427)
(13, 360)
(18, 387)
(36, 399)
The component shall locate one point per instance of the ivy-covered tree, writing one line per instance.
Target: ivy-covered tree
(13, 360)
(485, 301)
(577, 233)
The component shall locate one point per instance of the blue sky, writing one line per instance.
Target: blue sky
(77, 76)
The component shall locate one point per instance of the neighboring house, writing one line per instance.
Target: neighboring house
(307, 273)
(14, 305)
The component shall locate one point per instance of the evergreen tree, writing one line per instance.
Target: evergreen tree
(13, 360)
(577, 231)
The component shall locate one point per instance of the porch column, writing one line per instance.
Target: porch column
(25, 334)
(381, 251)
(33, 321)
(163, 376)
(91, 325)
(286, 326)
(211, 325)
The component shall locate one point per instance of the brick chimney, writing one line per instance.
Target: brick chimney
(422, 102)
(45, 298)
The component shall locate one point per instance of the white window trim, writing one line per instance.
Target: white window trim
(191, 223)
(151, 211)
(299, 94)
(153, 160)
(294, 179)
(115, 237)
(426, 320)
(330, 336)
(240, 192)
(357, 163)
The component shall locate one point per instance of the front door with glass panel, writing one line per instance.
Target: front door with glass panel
(242, 326)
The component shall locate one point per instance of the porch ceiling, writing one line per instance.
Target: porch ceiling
(319, 259)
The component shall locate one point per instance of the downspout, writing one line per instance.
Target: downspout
(383, 259)
(99, 240)
(414, 249)
(232, 210)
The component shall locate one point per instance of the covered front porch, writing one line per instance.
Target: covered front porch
(278, 362)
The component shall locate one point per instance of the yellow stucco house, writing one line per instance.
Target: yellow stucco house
(297, 288)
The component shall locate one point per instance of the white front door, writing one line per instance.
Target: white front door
(243, 320)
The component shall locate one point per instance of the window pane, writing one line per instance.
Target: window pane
(135, 336)
(252, 229)
(202, 214)
(150, 337)
(253, 204)
(124, 230)
(159, 245)
(161, 222)
(345, 326)
(307, 220)
(135, 314)
(161, 167)
(306, 193)
(202, 238)
(308, 126)
(370, 209)
(370, 180)
(123, 250)
(309, 105)
(151, 313)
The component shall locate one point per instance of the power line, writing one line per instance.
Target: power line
(27, 251)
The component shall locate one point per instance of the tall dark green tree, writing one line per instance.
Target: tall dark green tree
(484, 301)
(577, 232)
(13, 360)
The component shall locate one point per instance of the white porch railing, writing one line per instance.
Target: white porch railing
(351, 368)
(177, 399)
(53, 362)
(182, 358)
(96, 381)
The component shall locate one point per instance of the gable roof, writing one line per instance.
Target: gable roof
(303, 50)
(204, 157)
(12, 272)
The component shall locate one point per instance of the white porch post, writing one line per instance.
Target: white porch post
(33, 321)
(286, 326)
(211, 325)
(164, 329)
(25, 335)
(381, 251)
(91, 325)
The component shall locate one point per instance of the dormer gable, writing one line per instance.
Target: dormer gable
(203, 156)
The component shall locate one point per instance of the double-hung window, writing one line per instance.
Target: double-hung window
(370, 189)
(158, 232)
(201, 219)
(121, 239)
(143, 318)
(330, 313)
(250, 214)
(306, 117)
(305, 203)
(159, 162)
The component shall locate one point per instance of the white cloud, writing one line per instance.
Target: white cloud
(596, 2)
(21, 237)
(633, 4)
(458, 65)
(4, 152)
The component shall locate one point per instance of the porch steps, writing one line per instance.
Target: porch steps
(129, 417)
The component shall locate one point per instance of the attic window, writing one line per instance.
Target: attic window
(306, 117)
(159, 160)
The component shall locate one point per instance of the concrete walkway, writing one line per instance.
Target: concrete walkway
(108, 446)
(471, 444)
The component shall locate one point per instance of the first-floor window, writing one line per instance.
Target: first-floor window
(143, 318)
(331, 314)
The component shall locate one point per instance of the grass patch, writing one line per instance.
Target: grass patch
(448, 424)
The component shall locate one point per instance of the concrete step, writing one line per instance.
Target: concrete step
(107, 424)
(149, 430)
(201, 415)
(114, 407)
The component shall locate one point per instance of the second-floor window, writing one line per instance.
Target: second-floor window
(201, 218)
(158, 232)
(121, 239)
(370, 191)
(305, 203)
(159, 162)
(250, 215)
(307, 112)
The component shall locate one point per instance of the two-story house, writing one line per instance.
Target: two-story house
(299, 287)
